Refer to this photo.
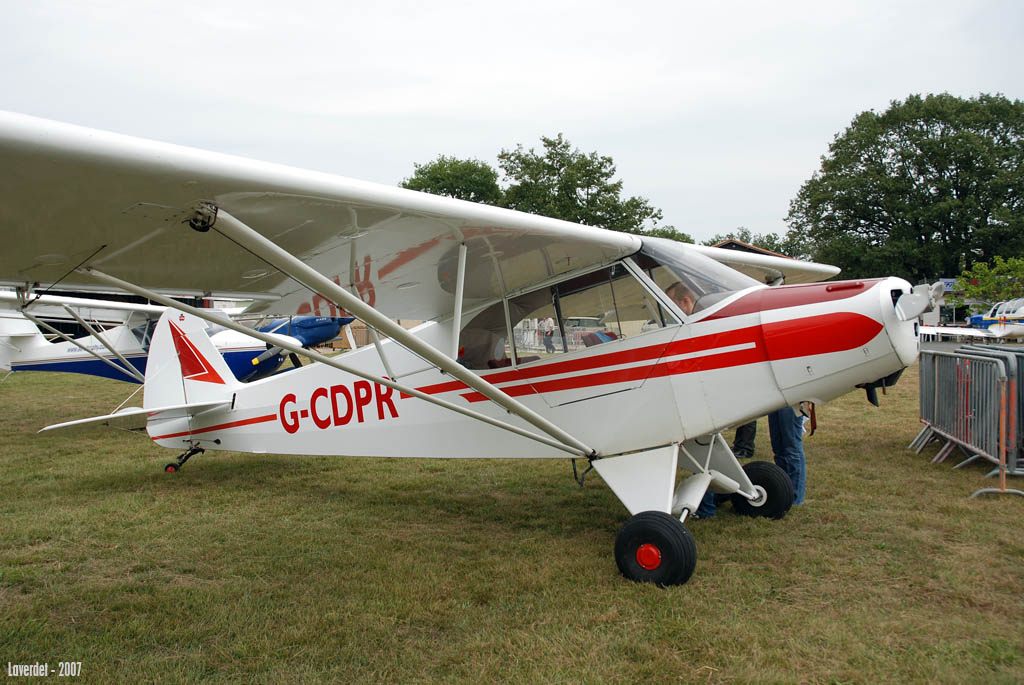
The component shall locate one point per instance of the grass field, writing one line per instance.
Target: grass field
(298, 569)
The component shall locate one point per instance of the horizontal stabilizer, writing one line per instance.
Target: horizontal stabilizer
(135, 418)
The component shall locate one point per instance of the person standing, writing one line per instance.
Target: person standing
(743, 442)
(786, 429)
(547, 331)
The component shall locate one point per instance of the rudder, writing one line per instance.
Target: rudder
(184, 365)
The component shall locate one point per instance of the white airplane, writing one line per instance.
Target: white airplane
(690, 346)
(1002, 320)
(119, 332)
(111, 351)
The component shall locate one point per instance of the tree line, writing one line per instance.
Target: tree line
(932, 187)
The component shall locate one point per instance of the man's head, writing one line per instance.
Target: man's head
(682, 296)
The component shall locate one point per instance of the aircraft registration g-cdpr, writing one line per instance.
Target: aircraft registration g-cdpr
(687, 341)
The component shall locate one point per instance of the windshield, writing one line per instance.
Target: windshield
(1008, 308)
(691, 279)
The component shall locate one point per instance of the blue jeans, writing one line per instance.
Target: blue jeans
(786, 429)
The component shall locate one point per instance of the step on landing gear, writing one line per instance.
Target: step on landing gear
(176, 465)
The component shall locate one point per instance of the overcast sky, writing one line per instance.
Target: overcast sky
(716, 112)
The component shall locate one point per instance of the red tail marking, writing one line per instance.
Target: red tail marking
(194, 365)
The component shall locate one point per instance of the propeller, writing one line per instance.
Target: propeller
(274, 350)
(922, 298)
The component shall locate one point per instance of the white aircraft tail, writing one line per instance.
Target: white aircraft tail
(16, 333)
(184, 366)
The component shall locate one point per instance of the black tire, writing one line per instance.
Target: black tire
(655, 547)
(171, 468)
(777, 486)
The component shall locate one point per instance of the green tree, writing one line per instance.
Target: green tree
(923, 190)
(1003, 280)
(671, 233)
(463, 179)
(565, 183)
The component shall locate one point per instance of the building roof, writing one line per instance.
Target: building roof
(733, 244)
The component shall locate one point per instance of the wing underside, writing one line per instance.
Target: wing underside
(73, 197)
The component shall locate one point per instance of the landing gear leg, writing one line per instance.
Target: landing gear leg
(654, 546)
(176, 465)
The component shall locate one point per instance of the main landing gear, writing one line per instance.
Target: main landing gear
(655, 546)
(176, 465)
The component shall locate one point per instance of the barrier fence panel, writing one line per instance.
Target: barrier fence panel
(1014, 356)
(966, 399)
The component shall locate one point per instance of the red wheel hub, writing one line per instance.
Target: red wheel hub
(648, 556)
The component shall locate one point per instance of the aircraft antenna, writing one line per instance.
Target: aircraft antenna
(68, 273)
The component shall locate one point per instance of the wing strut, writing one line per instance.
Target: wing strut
(283, 260)
(317, 357)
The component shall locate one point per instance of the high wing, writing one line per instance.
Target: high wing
(123, 205)
(769, 269)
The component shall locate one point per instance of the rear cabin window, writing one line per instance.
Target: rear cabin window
(589, 310)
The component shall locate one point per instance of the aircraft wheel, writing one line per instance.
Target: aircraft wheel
(774, 486)
(171, 468)
(655, 547)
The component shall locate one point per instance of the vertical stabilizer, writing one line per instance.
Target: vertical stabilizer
(184, 367)
(17, 334)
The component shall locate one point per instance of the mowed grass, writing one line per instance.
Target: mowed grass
(297, 569)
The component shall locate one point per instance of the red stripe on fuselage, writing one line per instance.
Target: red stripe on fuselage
(805, 337)
(220, 426)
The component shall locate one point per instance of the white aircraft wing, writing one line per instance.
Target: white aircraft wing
(993, 332)
(74, 196)
(82, 304)
(769, 269)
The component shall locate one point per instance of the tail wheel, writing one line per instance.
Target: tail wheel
(171, 468)
(774, 487)
(655, 547)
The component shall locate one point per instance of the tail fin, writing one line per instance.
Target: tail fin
(184, 367)
(16, 334)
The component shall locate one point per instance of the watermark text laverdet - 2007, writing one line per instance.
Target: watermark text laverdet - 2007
(63, 669)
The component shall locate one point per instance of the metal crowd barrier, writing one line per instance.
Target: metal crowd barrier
(969, 398)
(1014, 357)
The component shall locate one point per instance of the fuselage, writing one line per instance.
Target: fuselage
(749, 353)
